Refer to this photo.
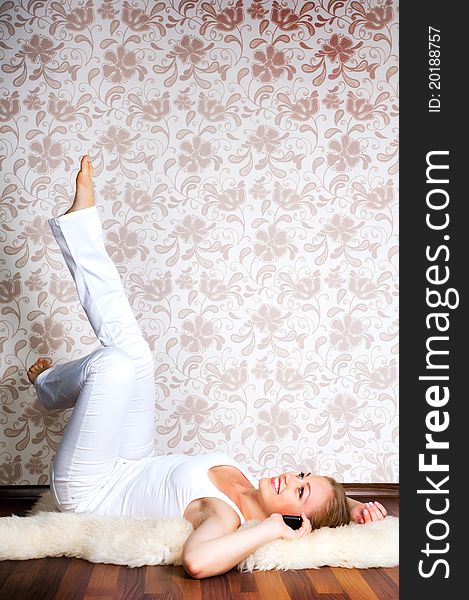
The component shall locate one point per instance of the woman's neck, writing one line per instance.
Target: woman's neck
(232, 482)
(248, 501)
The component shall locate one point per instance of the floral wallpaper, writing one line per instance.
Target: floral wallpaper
(245, 156)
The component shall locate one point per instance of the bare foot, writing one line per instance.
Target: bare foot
(84, 197)
(38, 367)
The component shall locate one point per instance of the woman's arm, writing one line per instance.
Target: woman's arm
(212, 550)
(353, 504)
(219, 553)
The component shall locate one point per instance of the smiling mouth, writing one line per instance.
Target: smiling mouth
(276, 484)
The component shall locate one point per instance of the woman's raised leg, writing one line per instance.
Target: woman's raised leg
(119, 411)
(80, 237)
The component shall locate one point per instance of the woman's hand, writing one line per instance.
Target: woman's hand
(282, 530)
(367, 512)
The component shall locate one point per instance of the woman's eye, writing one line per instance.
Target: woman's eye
(301, 492)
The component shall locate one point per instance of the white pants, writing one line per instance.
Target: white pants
(112, 389)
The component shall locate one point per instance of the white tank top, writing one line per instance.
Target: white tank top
(161, 486)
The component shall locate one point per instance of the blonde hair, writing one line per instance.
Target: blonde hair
(336, 512)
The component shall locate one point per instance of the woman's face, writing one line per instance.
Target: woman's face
(292, 494)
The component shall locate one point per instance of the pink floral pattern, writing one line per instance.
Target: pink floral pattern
(245, 156)
(271, 65)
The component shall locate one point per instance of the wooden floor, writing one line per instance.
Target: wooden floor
(76, 579)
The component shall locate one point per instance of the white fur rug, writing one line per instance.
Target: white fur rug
(138, 541)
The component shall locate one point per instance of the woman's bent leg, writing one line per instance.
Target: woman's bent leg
(89, 448)
(59, 387)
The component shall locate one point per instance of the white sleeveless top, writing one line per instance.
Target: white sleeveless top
(161, 486)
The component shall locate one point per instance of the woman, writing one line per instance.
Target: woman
(106, 462)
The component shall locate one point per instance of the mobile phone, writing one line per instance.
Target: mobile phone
(293, 521)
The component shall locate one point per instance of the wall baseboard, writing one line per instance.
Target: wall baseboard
(390, 490)
(22, 492)
(32, 492)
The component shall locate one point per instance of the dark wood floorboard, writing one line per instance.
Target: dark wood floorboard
(76, 579)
